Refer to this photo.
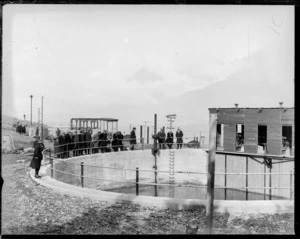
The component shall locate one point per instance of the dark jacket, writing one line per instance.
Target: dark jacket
(170, 137)
(37, 156)
(76, 141)
(103, 139)
(132, 137)
(179, 136)
(88, 139)
(120, 139)
(161, 136)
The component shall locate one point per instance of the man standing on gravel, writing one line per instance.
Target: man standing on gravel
(37, 158)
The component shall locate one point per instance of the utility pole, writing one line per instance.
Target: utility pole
(31, 111)
(42, 132)
(38, 118)
(146, 122)
(211, 172)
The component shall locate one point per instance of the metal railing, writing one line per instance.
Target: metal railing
(138, 172)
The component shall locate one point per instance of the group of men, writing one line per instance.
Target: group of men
(82, 142)
(21, 129)
(163, 141)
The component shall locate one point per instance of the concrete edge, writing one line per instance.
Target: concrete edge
(221, 206)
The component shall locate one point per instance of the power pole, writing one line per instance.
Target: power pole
(146, 122)
(42, 132)
(38, 118)
(31, 111)
(211, 172)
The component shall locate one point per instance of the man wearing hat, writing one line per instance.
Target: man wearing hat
(132, 138)
(35, 142)
(37, 158)
(179, 136)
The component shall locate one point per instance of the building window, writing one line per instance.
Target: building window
(262, 139)
(220, 136)
(287, 140)
(239, 143)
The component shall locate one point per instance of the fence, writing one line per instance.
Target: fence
(81, 173)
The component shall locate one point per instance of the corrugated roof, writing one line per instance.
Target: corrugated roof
(253, 108)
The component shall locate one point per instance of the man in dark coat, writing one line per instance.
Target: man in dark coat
(103, 141)
(169, 140)
(76, 144)
(62, 146)
(132, 138)
(179, 136)
(37, 158)
(68, 144)
(161, 139)
(24, 129)
(95, 142)
(88, 139)
(115, 141)
(81, 143)
(36, 141)
(120, 141)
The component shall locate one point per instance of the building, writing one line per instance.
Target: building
(109, 124)
(255, 130)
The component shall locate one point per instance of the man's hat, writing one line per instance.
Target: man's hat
(133, 128)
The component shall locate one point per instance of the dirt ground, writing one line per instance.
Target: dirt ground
(29, 208)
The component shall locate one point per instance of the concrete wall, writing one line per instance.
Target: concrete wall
(192, 160)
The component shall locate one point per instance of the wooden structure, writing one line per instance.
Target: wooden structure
(255, 130)
(94, 123)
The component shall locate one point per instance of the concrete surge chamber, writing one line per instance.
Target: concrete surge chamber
(181, 175)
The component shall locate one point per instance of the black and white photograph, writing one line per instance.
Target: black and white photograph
(148, 119)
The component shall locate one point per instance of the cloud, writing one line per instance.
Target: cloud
(145, 76)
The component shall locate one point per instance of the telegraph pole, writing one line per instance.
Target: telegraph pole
(31, 111)
(39, 119)
(42, 132)
(146, 122)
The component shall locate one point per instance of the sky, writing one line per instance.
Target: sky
(129, 61)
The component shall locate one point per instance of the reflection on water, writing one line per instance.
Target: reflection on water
(195, 193)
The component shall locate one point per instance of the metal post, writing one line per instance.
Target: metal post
(246, 178)
(211, 171)
(143, 144)
(137, 181)
(270, 185)
(82, 174)
(51, 162)
(225, 176)
(291, 184)
(264, 182)
(141, 133)
(155, 157)
(148, 135)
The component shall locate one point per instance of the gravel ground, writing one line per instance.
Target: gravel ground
(29, 208)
